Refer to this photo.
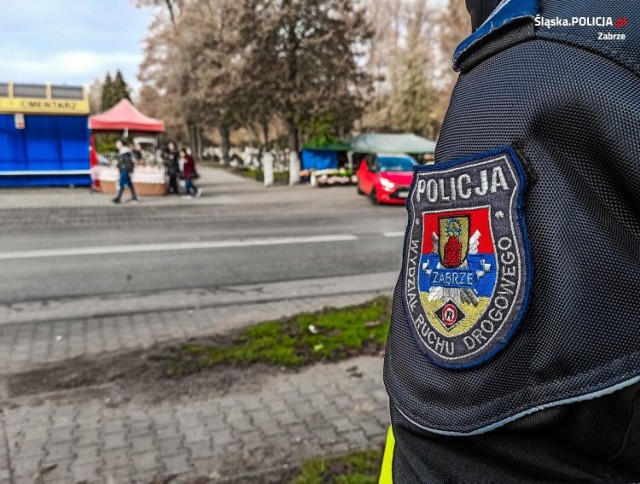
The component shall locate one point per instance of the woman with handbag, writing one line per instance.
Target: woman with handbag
(189, 172)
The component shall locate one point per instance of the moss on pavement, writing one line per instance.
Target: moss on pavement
(357, 468)
(328, 335)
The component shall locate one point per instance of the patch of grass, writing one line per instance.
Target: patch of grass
(328, 335)
(358, 468)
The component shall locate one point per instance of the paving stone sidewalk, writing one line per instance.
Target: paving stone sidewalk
(322, 410)
(220, 188)
(26, 345)
(82, 197)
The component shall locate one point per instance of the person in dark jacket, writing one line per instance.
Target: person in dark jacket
(189, 173)
(136, 152)
(172, 163)
(125, 167)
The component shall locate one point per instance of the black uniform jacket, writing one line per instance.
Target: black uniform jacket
(514, 349)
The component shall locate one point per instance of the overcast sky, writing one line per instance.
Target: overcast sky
(70, 41)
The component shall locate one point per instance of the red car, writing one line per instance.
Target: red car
(386, 178)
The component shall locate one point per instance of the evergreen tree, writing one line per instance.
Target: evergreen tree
(120, 89)
(113, 90)
(107, 89)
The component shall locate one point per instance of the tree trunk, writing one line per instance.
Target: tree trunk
(292, 133)
(255, 135)
(265, 133)
(199, 143)
(294, 159)
(193, 138)
(293, 44)
(225, 134)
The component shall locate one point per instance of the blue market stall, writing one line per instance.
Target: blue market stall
(319, 159)
(44, 135)
(323, 155)
(326, 162)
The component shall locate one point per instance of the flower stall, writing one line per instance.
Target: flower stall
(125, 118)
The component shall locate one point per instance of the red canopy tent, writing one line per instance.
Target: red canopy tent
(125, 117)
(121, 117)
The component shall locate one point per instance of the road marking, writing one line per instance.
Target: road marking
(130, 249)
(393, 234)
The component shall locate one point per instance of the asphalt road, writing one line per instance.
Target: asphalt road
(79, 245)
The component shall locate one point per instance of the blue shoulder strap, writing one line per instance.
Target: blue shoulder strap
(504, 14)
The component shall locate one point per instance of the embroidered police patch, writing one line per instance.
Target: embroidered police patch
(467, 269)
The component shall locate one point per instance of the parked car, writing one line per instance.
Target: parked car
(386, 178)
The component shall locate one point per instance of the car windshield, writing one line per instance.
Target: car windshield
(399, 163)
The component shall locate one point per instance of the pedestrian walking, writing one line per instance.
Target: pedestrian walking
(125, 167)
(189, 173)
(172, 163)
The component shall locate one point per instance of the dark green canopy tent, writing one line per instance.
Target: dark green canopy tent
(391, 143)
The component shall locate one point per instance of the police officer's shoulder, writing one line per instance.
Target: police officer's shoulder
(606, 28)
(510, 22)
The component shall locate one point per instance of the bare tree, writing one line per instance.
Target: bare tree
(167, 65)
(455, 26)
(414, 95)
(95, 96)
(174, 7)
(237, 63)
(410, 58)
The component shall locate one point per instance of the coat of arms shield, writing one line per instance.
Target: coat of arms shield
(466, 263)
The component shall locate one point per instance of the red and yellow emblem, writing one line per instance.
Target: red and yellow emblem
(466, 259)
